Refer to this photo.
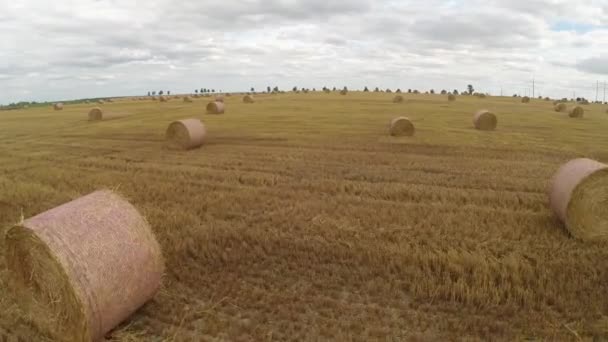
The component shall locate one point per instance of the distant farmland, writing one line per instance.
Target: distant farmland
(302, 219)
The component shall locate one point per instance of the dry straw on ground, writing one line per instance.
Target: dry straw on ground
(187, 99)
(525, 99)
(219, 98)
(578, 195)
(84, 267)
(95, 114)
(485, 120)
(451, 97)
(215, 108)
(577, 112)
(186, 134)
(561, 107)
(248, 99)
(398, 99)
(401, 126)
(58, 106)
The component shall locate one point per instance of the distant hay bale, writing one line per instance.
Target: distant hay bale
(327, 91)
(162, 99)
(576, 112)
(343, 92)
(215, 107)
(401, 126)
(398, 99)
(95, 114)
(485, 120)
(561, 107)
(187, 99)
(219, 98)
(451, 97)
(154, 98)
(86, 101)
(58, 106)
(525, 99)
(186, 134)
(82, 268)
(578, 194)
(248, 99)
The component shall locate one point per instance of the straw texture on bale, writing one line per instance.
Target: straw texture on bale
(561, 107)
(401, 126)
(58, 106)
(84, 267)
(162, 99)
(485, 120)
(187, 99)
(577, 112)
(215, 108)
(95, 114)
(398, 99)
(451, 97)
(525, 99)
(248, 99)
(578, 195)
(219, 98)
(186, 134)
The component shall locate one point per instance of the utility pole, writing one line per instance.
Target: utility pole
(604, 91)
(597, 89)
(533, 87)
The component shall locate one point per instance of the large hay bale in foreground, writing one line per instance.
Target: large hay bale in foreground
(186, 134)
(58, 106)
(560, 107)
(578, 195)
(451, 97)
(219, 98)
(401, 126)
(576, 112)
(398, 99)
(215, 107)
(248, 99)
(82, 268)
(95, 114)
(525, 99)
(485, 120)
(187, 99)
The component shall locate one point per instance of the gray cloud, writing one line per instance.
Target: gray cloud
(594, 65)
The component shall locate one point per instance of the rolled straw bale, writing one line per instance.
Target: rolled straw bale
(95, 114)
(576, 112)
(219, 98)
(248, 99)
(485, 120)
(100, 101)
(162, 98)
(58, 106)
(343, 92)
(154, 98)
(187, 99)
(401, 126)
(398, 99)
(561, 107)
(84, 267)
(525, 99)
(186, 134)
(578, 195)
(215, 107)
(451, 97)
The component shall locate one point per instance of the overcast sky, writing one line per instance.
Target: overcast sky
(66, 49)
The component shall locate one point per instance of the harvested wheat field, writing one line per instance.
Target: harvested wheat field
(300, 218)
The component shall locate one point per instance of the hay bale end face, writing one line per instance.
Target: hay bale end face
(525, 99)
(187, 99)
(186, 134)
(451, 97)
(401, 126)
(398, 99)
(577, 112)
(58, 106)
(485, 120)
(578, 195)
(84, 267)
(215, 108)
(248, 99)
(95, 114)
(162, 99)
(560, 107)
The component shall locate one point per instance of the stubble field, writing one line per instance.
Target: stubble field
(301, 219)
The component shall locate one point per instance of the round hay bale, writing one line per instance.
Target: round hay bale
(560, 107)
(219, 98)
(525, 99)
(398, 99)
(343, 92)
(58, 106)
(578, 195)
(451, 97)
(401, 126)
(485, 120)
(84, 267)
(187, 99)
(215, 107)
(186, 134)
(576, 112)
(95, 114)
(162, 98)
(248, 99)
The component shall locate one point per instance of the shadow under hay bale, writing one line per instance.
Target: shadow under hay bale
(95, 114)
(215, 108)
(485, 120)
(398, 99)
(560, 107)
(401, 126)
(248, 99)
(186, 134)
(576, 112)
(84, 267)
(58, 106)
(578, 195)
